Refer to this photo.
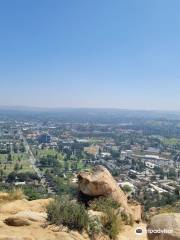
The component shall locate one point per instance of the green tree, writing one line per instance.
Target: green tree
(126, 188)
(1, 174)
(9, 158)
(16, 167)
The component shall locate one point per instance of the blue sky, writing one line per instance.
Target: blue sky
(93, 53)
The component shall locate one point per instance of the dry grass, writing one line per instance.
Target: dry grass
(14, 194)
(4, 197)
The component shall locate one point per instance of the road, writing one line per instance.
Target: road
(32, 161)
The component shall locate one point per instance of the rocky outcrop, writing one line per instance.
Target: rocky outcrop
(164, 226)
(15, 214)
(101, 183)
(25, 220)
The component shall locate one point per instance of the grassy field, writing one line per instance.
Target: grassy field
(52, 152)
(171, 141)
(45, 152)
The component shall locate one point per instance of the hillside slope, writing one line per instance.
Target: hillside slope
(29, 223)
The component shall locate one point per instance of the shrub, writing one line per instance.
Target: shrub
(94, 226)
(111, 224)
(124, 218)
(131, 220)
(103, 203)
(65, 212)
(32, 193)
(127, 219)
(126, 188)
(111, 220)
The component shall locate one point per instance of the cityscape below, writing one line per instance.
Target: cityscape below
(77, 153)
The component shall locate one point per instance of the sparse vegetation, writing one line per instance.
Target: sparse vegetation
(33, 193)
(16, 194)
(111, 220)
(103, 203)
(111, 223)
(65, 212)
(73, 215)
(127, 219)
(95, 226)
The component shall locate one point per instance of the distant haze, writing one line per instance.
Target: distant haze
(90, 54)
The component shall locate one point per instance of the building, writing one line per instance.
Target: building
(44, 138)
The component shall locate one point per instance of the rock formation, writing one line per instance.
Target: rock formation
(101, 183)
(25, 220)
(164, 226)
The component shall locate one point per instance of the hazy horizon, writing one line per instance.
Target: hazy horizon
(97, 54)
(36, 108)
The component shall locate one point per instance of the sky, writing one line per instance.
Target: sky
(93, 53)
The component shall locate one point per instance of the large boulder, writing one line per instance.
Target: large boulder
(101, 183)
(164, 226)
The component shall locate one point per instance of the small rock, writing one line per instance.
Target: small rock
(96, 214)
(32, 216)
(17, 221)
(53, 228)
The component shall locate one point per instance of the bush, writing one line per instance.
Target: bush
(127, 219)
(111, 220)
(32, 193)
(73, 215)
(103, 203)
(111, 224)
(65, 212)
(95, 226)
(126, 188)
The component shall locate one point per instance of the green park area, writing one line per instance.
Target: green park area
(66, 164)
(17, 162)
(171, 141)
